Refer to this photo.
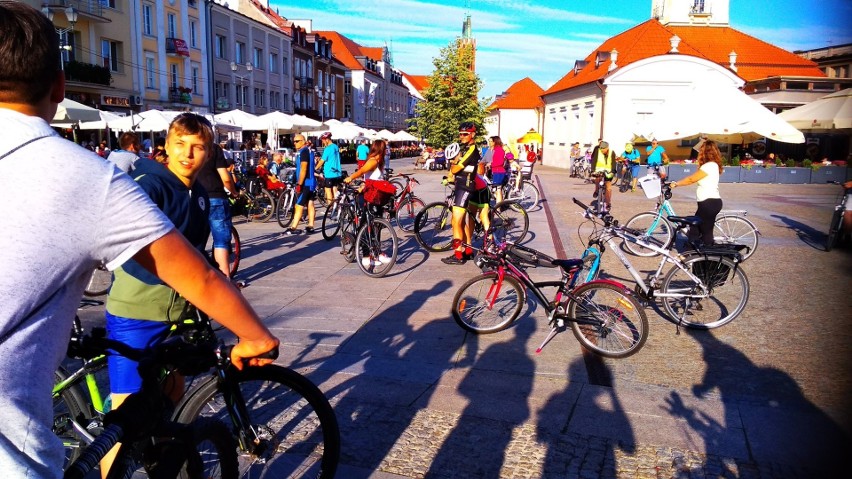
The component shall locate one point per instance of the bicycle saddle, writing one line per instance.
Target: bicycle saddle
(682, 221)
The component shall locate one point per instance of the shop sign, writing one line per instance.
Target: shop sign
(115, 101)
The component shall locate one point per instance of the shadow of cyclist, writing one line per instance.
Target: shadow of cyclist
(808, 235)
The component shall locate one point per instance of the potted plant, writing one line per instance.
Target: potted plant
(185, 94)
(731, 173)
(792, 174)
(824, 173)
(752, 173)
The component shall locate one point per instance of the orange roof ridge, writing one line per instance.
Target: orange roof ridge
(524, 94)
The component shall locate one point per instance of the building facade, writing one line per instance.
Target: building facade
(515, 112)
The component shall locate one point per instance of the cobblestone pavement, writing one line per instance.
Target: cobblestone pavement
(765, 396)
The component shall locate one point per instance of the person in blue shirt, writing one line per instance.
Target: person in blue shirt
(329, 165)
(361, 153)
(631, 156)
(305, 186)
(656, 157)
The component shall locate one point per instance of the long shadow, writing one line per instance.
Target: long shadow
(299, 250)
(478, 445)
(393, 368)
(573, 422)
(780, 424)
(408, 249)
(808, 235)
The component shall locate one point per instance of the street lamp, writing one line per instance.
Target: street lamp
(249, 67)
(71, 15)
(323, 96)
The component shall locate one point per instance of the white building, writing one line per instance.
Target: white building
(515, 112)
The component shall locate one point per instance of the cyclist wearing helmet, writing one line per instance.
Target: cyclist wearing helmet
(465, 167)
(329, 165)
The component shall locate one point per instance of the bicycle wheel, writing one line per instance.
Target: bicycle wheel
(731, 229)
(606, 320)
(236, 250)
(484, 304)
(376, 248)
(284, 208)
(529, 195)
(399, 184)
(684, 301)
(70, 406)
(406, 213)
(99, 282)
(834, 228)
(510, 221)
(658, 232)
(296, 426)
(348, 232)
(433, 227)
(261, 207)
(331, 221)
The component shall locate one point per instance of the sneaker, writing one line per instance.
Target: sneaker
(452, 259)
(369, 263)
(384, 259)
(468, 257)
(309, 230)
(292, 232)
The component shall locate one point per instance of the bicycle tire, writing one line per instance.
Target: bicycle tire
(375, 240)
(284, 208)
(732, 229)
(433, 227)
(406, 213)
(662, 234)
(476, 310)
(212, 454)
(348, 233)
(331, 221)
(262, 207)
(510, 221)
(727, 297)
(529, 195)
(288, 398)
(70, 404)
(399, 185)
(834, 228)
(99, 282)
(236, 250)
(621, 327)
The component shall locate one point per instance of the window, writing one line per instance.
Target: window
(172, 26)
(284, 65)
(218, 89)
(195, 79)
(193, 34)
(238, 99)
(258, 58)
(147, 14)
(257, 101)
(273, 63)
(284, 102)
(219, 46)
(173, 70)
(240, 53)
(107, 3)
(150, 69)
(347, 87)
(109, 53)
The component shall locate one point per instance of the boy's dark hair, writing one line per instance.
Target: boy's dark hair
(127, 140)
(29, 53)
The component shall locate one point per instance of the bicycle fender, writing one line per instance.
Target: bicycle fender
(624, 289)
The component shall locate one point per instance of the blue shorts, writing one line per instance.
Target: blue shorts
(305, 197)
(137, 333)
(498, 178)
(634, 169)
(220, 223)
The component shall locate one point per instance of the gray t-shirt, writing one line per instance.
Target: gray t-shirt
(80, 211)
(123, 159)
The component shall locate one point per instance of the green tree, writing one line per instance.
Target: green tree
(450, 98)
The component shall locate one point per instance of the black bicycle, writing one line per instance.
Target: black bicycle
(835, 228)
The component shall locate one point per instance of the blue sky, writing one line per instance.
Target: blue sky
(541, 39)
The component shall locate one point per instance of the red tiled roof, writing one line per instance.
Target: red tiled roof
(345, 49)
(278, 20)
(419, 82)
(522, 95)
(755, 58)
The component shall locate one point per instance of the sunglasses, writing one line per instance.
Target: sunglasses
(298, 141)
(461, 133)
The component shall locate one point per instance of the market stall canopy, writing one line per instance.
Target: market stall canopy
(107, 119)
(302, 122)
(530, 137)
(339, 130)
(831, 112)
(234, 118)
(403, 135)
(723, 113)
(385, 134)
(274, 120)
(71, 112)
(151, 120)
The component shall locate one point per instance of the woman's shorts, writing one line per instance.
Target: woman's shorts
(498, 178)
(137, 333)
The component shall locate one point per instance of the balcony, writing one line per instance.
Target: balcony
(87, 73)
(306, 82)
(314, 114)
(89, 9)
(180, 95)
(176, 47)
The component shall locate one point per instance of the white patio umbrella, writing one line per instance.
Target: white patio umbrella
(107, 118)
(403, 135)
(234, 118)
(304, 123)
(385, 134)
(274, 120)
(831, 112)
(723, 113)
(151, 120)
(70, 112)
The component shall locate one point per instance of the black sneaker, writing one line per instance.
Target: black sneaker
(452, 259)
(309, 230)
(467, 257)
(292, 232)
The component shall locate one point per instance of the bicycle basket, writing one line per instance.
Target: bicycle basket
(378, 192)
(650, 186)
(712, 273)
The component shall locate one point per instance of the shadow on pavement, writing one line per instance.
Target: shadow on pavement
(810, 236)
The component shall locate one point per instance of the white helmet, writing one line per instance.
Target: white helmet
(452, 150)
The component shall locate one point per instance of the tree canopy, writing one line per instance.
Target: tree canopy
(451, 97)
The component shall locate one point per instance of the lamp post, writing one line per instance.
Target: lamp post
(323, 96)
(71, 15)
(249, 68)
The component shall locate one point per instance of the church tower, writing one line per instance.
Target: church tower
(691, 12)
(467, 42)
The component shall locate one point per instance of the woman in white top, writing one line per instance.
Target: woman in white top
(375, 164)
(707, 193)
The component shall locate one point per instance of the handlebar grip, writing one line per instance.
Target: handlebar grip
(271, 354)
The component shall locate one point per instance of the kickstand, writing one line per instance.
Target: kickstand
(550, 336)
